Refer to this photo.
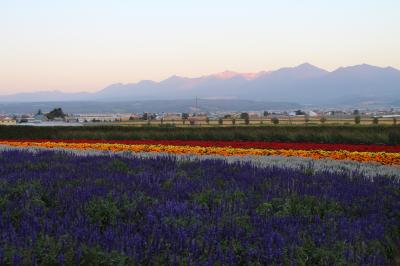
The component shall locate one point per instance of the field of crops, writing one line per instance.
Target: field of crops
(377, 134)
(198, 202)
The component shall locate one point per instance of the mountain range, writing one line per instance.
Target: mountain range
(304, 84)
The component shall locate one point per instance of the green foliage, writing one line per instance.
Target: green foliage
(97, 256)
(213, 198)
(244, 116)
(322, 120)
(32, 192)
(103, 212)
(119, 165)
(311, 254)
(185, 116)
(378, 134)
(167, 125)
(302, 206)
(357, 119)
(375, 121)
(275, 120)
(56, 113)
(106, 211)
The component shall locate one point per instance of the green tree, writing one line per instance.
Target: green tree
(375, 121)
(185, 116)
(207, 120)
(266, 113)
(244, 115)
(233, 121)
(322, 120)
(394, 121)
(357, 119)
(220, 121)
(56, 113)
(275, 120)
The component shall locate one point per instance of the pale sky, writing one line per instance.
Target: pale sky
(85, 45)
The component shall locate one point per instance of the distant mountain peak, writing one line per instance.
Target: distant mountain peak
(310, 67)
(175, 77)
(366, 69)
(305, 70)
(306, 65)
(227, 74)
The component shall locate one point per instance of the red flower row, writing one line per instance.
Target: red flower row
(237, 144)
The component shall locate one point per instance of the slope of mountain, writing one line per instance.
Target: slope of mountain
(41, 96)
(304, 84)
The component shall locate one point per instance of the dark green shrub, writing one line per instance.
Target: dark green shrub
(244, 116)
(275, 120)
(394, 137)
(357, 119)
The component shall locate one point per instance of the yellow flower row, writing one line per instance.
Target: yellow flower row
(387, 158)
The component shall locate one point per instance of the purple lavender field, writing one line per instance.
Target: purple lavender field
(64, 209)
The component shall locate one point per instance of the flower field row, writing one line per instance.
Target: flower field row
(385, 158)
(343, 167)
(235, 144)
(57, 208)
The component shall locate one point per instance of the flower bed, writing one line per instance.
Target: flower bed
(234, 144)
(386, 158)
(59, 209)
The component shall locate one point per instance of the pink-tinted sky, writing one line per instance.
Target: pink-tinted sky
(86, 45)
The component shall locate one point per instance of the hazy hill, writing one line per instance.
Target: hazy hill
(305, 84)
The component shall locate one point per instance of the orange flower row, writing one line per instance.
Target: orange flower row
(387, 158)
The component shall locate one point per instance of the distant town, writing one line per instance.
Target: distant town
(57, 117)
